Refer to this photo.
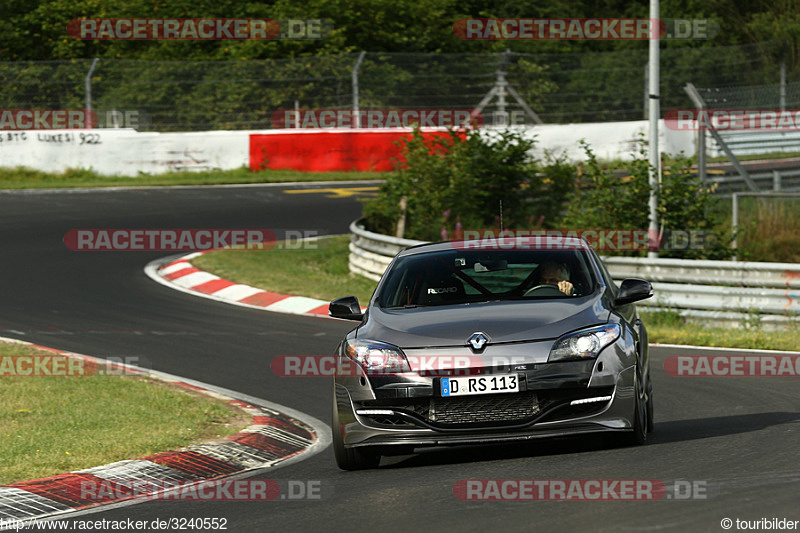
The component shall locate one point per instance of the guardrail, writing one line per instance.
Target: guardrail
(718, 292)
(729, 292)
(371, 253)
(765, 180)
(753, 142)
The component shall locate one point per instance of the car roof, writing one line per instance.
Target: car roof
(532, 243)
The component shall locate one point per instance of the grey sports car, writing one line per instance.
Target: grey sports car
(486, 342)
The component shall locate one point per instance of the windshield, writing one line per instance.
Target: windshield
(453, 277)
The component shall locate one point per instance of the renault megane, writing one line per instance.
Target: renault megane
(486, 342)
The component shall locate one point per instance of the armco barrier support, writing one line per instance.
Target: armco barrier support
(718, 292)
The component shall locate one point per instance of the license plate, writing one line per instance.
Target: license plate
(492, 384)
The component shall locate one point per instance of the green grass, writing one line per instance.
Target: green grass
(323, 273)
(55, 424)
(767, 228)
(316, 273)
(668, 327)
(26, 178)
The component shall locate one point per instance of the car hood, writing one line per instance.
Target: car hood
(503, 321)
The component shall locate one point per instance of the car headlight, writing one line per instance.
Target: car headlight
(377, 357)
(584, 344)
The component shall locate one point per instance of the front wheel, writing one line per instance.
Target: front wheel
(350, 458)
(641, 409)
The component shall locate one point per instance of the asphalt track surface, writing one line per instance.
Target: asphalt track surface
(737, 438)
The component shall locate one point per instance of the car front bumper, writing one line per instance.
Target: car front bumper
(554, 402)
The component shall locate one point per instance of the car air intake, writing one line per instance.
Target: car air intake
(482, 409)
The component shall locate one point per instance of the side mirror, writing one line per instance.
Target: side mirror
(346, 308)
(632, 290)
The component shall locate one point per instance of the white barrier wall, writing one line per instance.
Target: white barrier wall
(127, 152)
(608, 140)
(124, 152)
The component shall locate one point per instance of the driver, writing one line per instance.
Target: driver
(552, 273)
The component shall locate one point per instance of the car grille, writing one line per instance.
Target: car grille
(489, 410)
(483, 409)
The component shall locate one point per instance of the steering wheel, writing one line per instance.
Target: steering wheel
(544, 290)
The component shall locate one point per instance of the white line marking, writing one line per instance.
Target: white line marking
(720, 348)
(237, 292)
(296, 305)
(84, 190)
(176, 267)
(194, 279)
(151, 271)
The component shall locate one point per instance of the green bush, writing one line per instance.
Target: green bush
(685, 206)
(462, 180)
(458, 181)
(605, 201)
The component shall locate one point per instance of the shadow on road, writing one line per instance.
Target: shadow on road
(665, 433)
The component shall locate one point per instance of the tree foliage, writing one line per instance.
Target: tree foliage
(458, 182)
(36, 30)
(465, 180)
(684, 206)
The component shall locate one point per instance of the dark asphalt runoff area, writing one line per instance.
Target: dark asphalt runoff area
(734, 440)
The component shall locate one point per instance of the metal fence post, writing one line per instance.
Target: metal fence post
(701, 134)
(355, 87)
(654, 114)
(783, 78)
(776, 180)
(735, 224)
(646, 90)
(501, 85)
(88, 83)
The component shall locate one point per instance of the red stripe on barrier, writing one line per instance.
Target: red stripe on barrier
(264, 298)
(180, 273)
(72, 490)
(324, 151)
(171, 263)
(196, 464)
(210, 287)
(272, 446)
(321, 310)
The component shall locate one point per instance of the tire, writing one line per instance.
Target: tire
(350, 458)
(641, 410)
(650, 419)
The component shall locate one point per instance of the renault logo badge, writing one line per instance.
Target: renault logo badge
(478, 340)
